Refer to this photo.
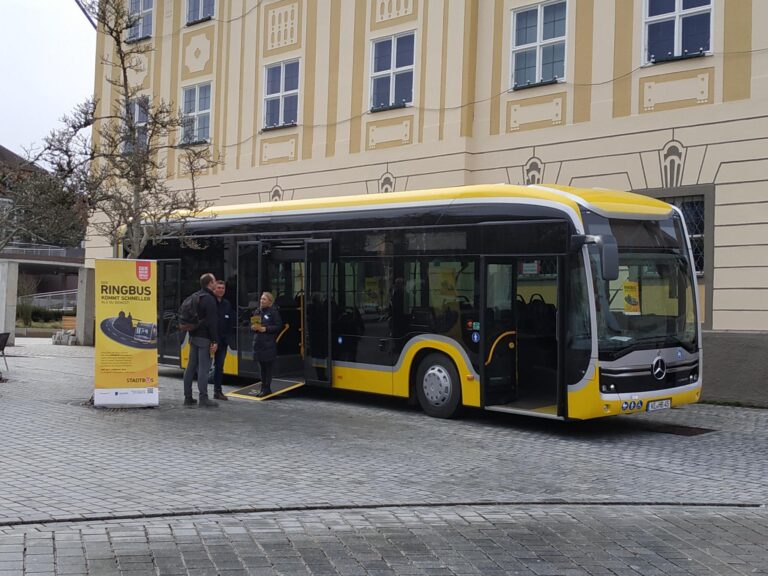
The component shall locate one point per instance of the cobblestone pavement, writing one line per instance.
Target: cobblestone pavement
(323, 482)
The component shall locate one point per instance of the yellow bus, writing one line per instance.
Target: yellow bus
(548, 301)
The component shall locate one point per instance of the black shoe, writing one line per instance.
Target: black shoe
(207, 403)
(265, 392)
(189, 401)
(220, 396)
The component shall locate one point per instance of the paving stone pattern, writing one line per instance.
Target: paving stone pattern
(537, 540)
(335, 483)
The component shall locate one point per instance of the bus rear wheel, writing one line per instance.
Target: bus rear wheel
(437, 386)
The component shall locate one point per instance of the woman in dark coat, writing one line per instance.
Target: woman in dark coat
(267, 324)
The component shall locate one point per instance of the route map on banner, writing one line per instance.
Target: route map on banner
(126, 333)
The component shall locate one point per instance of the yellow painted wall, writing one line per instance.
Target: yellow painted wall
(605, 125)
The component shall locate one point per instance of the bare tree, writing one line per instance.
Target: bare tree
(35, 206)
(117, 158)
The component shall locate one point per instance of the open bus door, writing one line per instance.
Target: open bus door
(276, 267)
(521, 365)
(169, 338)
(249, 264)
(523, 307)
(317, 315)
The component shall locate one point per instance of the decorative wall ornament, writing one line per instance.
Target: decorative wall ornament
(283, 25)
(280, 149)
(677, 90)
(672, 158)
(390, 132)
(385, 13)
(277, 193)
(538, 112)
(387, 183)
(534, 171)
(197, 54)
(391, 9)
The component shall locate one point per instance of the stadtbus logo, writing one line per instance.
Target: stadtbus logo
(143, 271)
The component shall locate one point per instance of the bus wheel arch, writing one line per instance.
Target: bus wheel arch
(437, 384)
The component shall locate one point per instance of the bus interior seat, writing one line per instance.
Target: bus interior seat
(447, 320)
(520, 312)
(538, 343)
(541, 317)
(422, 318)
(283, 301)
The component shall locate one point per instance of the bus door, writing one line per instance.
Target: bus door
(283, 276)
(520, 368)
(317, 315)
(249, 263)
(276, 267)
(169, 337)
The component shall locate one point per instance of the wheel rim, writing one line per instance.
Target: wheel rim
(437, 385)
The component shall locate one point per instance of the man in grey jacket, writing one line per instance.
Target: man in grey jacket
(203, 342)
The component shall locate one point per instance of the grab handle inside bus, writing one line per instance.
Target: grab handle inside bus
(609, 252)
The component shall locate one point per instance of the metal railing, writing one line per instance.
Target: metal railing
(42, 250)
(62, 300)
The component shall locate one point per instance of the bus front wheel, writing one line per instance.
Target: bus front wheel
(438, 387)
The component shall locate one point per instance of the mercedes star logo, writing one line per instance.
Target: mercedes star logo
(659, 368)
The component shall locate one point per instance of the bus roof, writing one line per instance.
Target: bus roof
(605, 202)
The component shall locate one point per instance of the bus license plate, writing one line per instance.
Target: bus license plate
(659, 405)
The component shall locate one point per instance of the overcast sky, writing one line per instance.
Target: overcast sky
(47, 60)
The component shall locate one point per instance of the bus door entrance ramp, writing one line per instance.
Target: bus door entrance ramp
(279, 386)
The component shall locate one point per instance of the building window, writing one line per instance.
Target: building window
(281, 94)
(538, 44)
(677, 28)
(198, 10)
(140, 14)
(692, 208)
(197, 114)
(392, 71)
(138, 110)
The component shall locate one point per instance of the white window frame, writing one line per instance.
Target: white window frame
(139, 126)
(196, 113)
(143, 15)
(281, 95)
(677, 16)
(539, 44)
(392, 71)
(201, 16)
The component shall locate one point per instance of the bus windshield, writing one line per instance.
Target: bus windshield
(651, 304)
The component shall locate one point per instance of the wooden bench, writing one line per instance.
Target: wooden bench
(68, 322)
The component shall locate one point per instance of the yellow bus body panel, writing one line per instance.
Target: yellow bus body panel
(230, 362)
(397, 382)
(619, 202)
(588, 403)
(362, 380)
(470, 388)
(416, 196)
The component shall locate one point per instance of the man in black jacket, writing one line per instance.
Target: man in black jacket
(226, 318)
(203, 342)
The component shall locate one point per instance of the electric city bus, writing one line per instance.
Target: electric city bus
(547, 301)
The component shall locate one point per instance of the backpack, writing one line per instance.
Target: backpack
(189, 317)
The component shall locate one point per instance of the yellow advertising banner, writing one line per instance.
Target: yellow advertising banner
(631, 298)
(126, 333)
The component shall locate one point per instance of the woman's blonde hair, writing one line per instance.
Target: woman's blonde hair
(269, 295)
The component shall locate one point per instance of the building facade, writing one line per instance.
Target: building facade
(304, 98)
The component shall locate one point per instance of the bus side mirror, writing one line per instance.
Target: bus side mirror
(609, 256)
(609, 252)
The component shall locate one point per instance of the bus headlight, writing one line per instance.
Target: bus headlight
(693, 377)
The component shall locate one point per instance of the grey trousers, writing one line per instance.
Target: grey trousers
(199, 364)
